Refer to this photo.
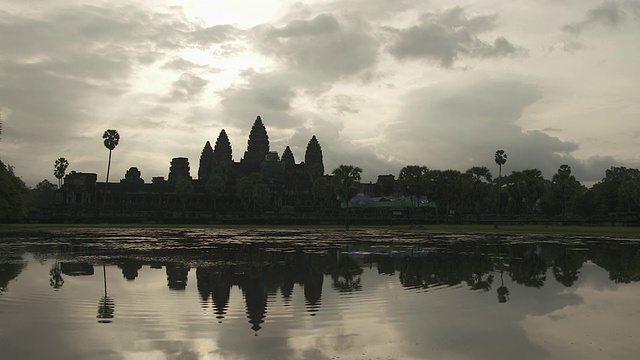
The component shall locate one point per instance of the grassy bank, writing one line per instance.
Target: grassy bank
(503, 229)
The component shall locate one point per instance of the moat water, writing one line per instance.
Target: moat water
(317, 294)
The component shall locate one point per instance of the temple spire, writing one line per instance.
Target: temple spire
(222, 152)
(206, 162)
(258, 144)
(287, 156)
(313, 158)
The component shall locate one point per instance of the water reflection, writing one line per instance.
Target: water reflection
(294, 289)
(9, 270)
(56, 280)
(106, 307)
(263, 268)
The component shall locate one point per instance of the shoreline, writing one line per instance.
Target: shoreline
(609, 231)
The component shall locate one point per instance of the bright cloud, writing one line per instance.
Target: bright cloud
(381, 85)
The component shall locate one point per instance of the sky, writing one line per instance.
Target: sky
(381, 84)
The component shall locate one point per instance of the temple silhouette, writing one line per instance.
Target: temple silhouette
(287, 183)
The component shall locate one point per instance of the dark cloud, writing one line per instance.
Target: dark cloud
(187, 88)
(571, 46)
(373, 10)
(448, 36)
(182, 65)
(340, 104)
(462, 125)
(324, 48)
(269, 95)
(634, 7)
(321, 25)
(217, 34)
(88, 30)
(608, 14)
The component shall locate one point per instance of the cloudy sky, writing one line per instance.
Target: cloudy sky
(382, 84)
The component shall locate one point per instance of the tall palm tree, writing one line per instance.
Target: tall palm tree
(111, 139)
(347, 177)
(60, 168)
(501, 159)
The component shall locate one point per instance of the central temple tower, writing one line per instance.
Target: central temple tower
(258, 144)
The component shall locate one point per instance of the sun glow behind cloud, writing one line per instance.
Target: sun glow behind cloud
(347, 72)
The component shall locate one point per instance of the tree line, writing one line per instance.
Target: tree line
(471, 192)
(524, 192)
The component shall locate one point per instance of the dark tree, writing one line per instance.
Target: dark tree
(13, 192)
(525, 188)
(111, 139)
(42, 196)
(500, 159)
(607, 194)
(347, 178)
(564, 186)
(412, 181)
(480, 187)
(60, 168)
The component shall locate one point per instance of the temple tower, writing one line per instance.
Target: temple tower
(179, 169)
(221, 158)
(287, 156)
(313, 158)
(206, 162)
(258, 144)
(222, 152)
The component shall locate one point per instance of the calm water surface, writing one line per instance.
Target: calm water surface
(267, 294)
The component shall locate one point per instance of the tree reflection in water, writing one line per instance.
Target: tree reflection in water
(10, 271)
(106, 306)
(503, 291)
(55, 276)
(346, 275)
(262, 270)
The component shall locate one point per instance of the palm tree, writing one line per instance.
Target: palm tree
(111, 139)
(565, 186)
(501, 159)
(347, 177)
(60, 168)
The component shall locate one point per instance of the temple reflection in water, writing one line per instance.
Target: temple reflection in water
(261, 271)
(273, 293)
